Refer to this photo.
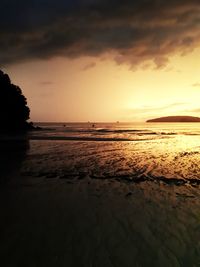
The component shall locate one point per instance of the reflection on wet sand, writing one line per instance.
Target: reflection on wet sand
(101, 204)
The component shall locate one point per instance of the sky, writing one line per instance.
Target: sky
(98, 60)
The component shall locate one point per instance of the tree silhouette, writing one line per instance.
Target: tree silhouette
(14, 111)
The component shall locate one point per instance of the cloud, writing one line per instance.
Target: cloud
(46, 83)
(194, 110)
(153, 109)
(131, 32)
(147, 112)
(196, 85)
(89, 66)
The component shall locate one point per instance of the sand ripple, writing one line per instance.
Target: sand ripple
(174, 160)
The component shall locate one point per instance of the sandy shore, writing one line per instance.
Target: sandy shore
(75, 204)
(91, 222)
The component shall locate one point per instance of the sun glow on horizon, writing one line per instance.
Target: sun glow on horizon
(92, 89)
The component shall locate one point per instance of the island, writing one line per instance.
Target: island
(176, 119)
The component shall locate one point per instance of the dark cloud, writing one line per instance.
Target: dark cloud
(133, 32)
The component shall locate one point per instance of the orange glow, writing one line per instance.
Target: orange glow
(92, 89)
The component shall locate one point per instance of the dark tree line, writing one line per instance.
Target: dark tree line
(14, 111)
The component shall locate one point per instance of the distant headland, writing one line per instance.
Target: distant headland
(176, 119)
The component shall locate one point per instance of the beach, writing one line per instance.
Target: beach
(100, 133)
(106, 203)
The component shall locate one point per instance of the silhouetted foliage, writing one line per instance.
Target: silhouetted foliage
(14, 111)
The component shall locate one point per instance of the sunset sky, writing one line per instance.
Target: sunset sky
(98, 60)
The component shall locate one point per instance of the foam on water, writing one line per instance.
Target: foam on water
(114, 131)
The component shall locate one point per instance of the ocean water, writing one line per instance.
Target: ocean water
(168, 152)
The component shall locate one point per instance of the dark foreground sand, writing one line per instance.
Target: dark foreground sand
(48, 220)
(52, 222)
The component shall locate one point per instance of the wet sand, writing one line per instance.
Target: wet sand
(72, 204)
(87, 222)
